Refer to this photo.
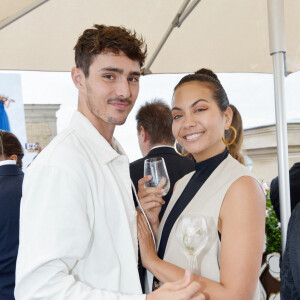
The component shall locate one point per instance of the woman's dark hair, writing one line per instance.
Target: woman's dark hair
(235, 149)
(10, 145)
(210, 79)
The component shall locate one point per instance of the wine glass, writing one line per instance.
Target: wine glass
(156, 167)
(192, 235)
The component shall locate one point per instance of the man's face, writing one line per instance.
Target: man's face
(108, 94)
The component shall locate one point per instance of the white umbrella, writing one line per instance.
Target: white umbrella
(226, 36)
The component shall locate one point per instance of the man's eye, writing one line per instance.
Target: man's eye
(108, 76)
(133, 79)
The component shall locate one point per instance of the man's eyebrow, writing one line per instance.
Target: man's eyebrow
(135, 73)
(120, 71)
(112, 69)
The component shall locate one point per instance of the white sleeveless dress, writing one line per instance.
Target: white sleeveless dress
(207, 202)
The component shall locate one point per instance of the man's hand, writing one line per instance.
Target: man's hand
(151, 201)
(183, 289)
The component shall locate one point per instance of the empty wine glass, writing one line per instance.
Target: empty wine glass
(192, 235)
(156, 167)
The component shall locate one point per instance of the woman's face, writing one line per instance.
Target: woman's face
(198, 123)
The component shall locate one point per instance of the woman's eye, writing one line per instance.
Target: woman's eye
(176, 117)
(200, 109)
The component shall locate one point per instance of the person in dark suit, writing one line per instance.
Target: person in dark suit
(294, 189)
(11, 179)
(290, 266)
(154, 127)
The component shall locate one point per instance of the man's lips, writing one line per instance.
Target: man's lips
(119, 103)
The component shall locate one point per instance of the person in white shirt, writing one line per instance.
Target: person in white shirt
(78, 227)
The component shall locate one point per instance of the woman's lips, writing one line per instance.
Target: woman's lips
(193, 136)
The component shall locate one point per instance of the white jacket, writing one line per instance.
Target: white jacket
(78, 231)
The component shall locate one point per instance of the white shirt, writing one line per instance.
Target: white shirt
(7, 162)
(78, 231)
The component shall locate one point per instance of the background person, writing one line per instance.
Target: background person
(294, 174)
(4, 103)
(11, 179)
(290, 265)
(154, 127)
(221, 189)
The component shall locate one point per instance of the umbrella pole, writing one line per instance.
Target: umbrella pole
(181, 15)
(21, 13)
(277, 51)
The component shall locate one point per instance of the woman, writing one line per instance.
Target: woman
(4, 103)
(221, 189)
(11, 179)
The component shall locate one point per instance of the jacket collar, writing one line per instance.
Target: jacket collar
(161, 150)
(10, 170)
(91, 135)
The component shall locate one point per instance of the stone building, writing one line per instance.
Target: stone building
(261, 146)
(41, 122)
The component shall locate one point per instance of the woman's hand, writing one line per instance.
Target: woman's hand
(151, 201)
(147, 248)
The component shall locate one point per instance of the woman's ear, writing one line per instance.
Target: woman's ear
(228, 116)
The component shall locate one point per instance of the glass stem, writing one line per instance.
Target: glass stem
(191, 263)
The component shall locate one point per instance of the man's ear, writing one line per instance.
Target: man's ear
(13, 157)
(143, 133)
(78, 78)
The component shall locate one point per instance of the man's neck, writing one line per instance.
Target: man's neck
(104, 128)
(153, 146)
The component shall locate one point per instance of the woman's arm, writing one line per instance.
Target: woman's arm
(242, 217)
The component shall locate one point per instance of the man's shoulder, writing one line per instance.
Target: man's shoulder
(60, 149)
(137, 163)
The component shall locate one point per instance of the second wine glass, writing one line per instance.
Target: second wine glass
(192, 235)
(156, 167)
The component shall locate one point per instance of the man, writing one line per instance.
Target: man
(78, 231)
(294, 189)
(154, 127)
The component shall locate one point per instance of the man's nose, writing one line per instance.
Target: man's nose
(123, 89)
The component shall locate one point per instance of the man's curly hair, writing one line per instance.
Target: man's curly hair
(102, 38)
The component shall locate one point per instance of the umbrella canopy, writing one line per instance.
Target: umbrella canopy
(226, 36)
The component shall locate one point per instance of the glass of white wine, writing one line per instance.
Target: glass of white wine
(156, 167)
(192, 235)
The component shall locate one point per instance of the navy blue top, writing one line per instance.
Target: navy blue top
(11, 179)
(203, 170)
(290, 266)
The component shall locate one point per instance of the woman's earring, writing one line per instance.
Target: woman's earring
(178, 152)
(234, 137)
